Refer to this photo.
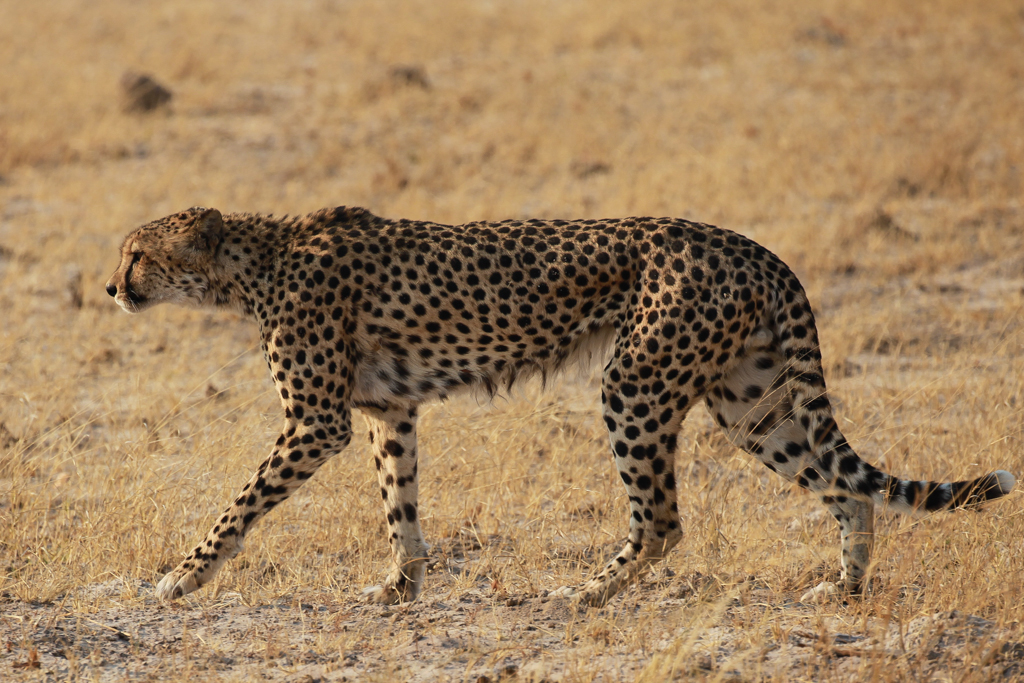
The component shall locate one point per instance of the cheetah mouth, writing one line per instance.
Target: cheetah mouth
(134, 298)
(131, 301)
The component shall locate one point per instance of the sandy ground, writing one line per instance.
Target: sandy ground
(876, 148)
(477, 636)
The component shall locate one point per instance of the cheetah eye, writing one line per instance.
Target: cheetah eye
(136, 257)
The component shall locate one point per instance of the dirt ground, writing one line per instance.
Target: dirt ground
(474, 635)
(877, 149)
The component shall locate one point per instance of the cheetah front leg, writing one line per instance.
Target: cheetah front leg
(393, 435)
(300, 450)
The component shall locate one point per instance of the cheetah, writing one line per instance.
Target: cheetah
(358, 311)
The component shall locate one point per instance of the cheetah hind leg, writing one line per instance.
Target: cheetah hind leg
(643, 431)
(754, 406)
(856, 530)
(393, 436)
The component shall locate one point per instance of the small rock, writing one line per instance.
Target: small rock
(507, 671)
(882, 221)
(410, 75)
(588, 167)
(73, 285)
(142, 93)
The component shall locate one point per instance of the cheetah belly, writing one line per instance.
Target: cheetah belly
(385, 376)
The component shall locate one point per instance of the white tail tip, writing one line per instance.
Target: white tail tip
(1006, 481)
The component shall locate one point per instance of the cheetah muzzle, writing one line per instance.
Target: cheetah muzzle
(357, 311)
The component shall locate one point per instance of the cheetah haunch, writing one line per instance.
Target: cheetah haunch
(357, 311)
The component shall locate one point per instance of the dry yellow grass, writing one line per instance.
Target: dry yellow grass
(878, 149)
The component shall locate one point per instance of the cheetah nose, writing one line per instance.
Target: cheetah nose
(111, 289)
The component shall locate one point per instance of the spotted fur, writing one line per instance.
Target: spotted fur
(357, 311)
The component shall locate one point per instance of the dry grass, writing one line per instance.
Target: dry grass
(877, 148)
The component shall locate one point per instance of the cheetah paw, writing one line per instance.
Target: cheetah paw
(176, 584)
(570, 593)
(578, 597)
(382, 595)
(824, 591)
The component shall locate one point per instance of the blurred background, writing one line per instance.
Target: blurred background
(749, 114)
(878, 148)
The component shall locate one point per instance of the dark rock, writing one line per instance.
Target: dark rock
(142, 93)
(410, 75)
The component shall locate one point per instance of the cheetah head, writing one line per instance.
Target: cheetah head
(168, 261)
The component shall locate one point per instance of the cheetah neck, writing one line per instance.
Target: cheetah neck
(245, 260)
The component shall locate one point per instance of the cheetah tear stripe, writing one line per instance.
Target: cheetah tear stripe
(358, 311)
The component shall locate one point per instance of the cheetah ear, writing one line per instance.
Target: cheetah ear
(208, 231)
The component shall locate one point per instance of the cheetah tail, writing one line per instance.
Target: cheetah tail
(793, 322)
(922, 497)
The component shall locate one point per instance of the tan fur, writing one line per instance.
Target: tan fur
(360, 312)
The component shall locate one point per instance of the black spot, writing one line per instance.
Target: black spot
(819, 403)
(793, 449)
(849, 464)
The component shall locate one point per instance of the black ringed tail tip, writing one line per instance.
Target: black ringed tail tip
(978, 491)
